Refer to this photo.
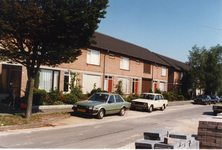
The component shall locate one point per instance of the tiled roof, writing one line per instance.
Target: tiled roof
(178, 65)
(115, 45)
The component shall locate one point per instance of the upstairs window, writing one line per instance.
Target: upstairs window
(93, 57)
(124, 63)
(163, 71)
(181, 75)
(147, 67)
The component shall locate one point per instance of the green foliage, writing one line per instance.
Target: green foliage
(119, 88)
(171, 96)
(150, 91)
(131, 97)
(205, 65)
(71, 98)
(39, 96)
(158, 91)
(36, 82)
(180, 97)
(96, 90)
(52, 96)
(41, 32)
(75, 85)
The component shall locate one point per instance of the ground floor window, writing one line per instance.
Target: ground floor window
(108, 83)
(89, 81)
(163, 86)
(48, 80)
(126, 84)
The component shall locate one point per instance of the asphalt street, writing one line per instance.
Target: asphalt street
(111, 132)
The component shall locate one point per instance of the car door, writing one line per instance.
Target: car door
(119, 103)
(110, 105)
(158, 102)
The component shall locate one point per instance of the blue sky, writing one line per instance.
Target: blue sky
(166, 27)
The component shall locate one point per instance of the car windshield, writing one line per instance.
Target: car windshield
(213, 96)
(202, 96)
(147, 96)
(99, 97)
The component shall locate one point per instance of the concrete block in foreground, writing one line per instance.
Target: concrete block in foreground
(184, 136)
(157, 134)
(145, 144)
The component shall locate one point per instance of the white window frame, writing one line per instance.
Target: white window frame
(93, 57)
(49, 79)
(163, 71)
(126, 84)
(124, 63)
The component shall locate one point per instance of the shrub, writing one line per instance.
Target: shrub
(75, 86)
(180, 97)
(71, 98)
(39, 96)
(119, 88)
(158, 91)
(150, 91)
(58, 103)
(167, 96)
(96, 90)
(54, 95)
(131, 97)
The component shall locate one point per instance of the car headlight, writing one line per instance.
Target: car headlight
(214, 107)
(75, 105)
(91, 107)
(146, 104)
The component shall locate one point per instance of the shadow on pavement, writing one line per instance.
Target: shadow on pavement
(4, 110)
(209, 113)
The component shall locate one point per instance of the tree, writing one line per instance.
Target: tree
(206, 67)
(213, 70)
(47, 32)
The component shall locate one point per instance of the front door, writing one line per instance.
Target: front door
(11, 79)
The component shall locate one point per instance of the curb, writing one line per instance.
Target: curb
(52, 107)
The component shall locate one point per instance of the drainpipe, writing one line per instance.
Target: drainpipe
(153, 76)
(104, 69)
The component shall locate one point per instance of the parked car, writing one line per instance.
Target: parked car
(214, 99)
(203, 99)
(149, 101)
(101, 104)
(217, 108)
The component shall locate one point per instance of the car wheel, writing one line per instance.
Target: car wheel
(150, 109)
(215, 113)
(163, 107)
(100, 114)
(122, 112)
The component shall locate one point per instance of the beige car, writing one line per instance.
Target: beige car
(149, 101)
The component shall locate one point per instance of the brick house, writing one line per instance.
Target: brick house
(103, 64)
(176, 71)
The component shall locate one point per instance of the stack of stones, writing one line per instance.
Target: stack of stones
(210, 133)
(167, 139)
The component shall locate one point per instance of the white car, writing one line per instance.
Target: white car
(149, 101)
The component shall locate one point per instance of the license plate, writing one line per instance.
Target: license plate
(81, 110)
(139, 108)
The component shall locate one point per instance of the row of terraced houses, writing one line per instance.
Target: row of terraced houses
(103, 64)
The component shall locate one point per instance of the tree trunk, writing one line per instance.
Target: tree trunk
(29, 98)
